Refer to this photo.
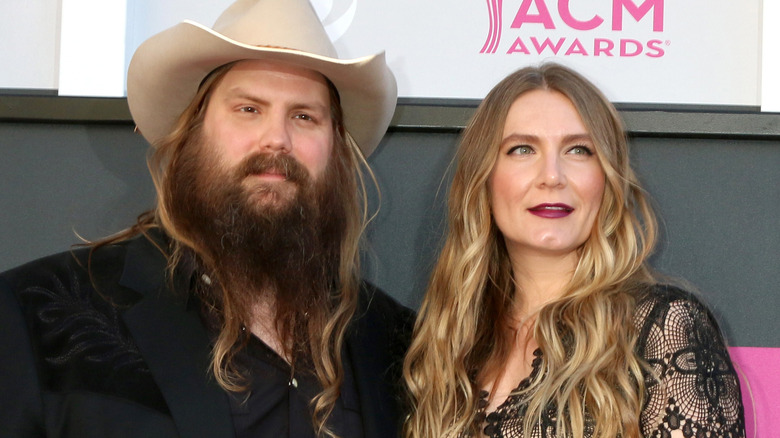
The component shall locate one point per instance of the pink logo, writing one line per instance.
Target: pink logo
(621, 10)
(495, 8)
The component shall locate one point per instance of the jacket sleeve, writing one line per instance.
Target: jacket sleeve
(20, 404)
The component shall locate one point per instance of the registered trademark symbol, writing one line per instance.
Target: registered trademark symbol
(668, 43)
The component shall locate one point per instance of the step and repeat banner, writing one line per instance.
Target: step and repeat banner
(649, 51)
(699, 52)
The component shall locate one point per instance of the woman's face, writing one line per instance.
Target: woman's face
(547, 183)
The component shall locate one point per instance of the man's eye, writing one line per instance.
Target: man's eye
(248, 109)
(520, 150)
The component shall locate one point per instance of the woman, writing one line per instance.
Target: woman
(542, 318)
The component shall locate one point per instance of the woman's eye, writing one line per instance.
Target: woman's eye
(581, 150)
(248, 109)
(520, 150)
(304, 116)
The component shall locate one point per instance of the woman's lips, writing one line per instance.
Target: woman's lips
(551, 211)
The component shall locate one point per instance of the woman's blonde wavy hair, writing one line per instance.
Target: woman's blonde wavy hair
(325, 354)
(587, 337)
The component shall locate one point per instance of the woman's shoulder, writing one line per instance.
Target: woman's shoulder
(666, 295)
(670, 317)
(693, 384)
(665, 300)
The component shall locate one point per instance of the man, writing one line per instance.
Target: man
(235, 307)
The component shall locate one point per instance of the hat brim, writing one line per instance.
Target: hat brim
(166, 70)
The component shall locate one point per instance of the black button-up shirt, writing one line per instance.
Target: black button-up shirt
(279, 405)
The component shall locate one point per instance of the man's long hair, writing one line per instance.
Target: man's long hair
(324, 350)
(587, 336)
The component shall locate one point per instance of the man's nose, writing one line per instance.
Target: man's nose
(274, 135)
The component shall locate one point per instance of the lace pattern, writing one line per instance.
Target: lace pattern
(697, 392)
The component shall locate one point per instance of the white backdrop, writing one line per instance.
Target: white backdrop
(709, 49)
(644, 51)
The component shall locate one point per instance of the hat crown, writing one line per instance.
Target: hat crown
(167, 69)
(287, 24)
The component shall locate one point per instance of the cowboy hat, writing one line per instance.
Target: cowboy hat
(167, 69)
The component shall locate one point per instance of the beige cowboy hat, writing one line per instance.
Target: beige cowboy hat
(167, 69)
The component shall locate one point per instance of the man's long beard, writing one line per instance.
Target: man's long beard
(279, 239)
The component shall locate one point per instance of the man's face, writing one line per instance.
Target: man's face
(270, 109)
(259, 199)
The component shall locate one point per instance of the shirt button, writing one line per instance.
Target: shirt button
(294, 383)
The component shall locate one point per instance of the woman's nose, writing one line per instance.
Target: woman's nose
(551, 172)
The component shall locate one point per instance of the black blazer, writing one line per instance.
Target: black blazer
(119, 354)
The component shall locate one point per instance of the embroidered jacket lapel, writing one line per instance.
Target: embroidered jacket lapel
(175, 345)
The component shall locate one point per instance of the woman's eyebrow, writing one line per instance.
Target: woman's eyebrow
(573, 138)
(520, 138)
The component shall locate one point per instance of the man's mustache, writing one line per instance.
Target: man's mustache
(282, 164)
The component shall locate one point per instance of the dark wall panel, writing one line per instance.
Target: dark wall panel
(719, 201)
(718, 204)
(61, 179)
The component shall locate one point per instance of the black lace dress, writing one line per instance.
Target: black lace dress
(680, 339)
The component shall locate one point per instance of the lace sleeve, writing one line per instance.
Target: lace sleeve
(695, 388)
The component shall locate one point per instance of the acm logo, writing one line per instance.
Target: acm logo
(541, 18)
